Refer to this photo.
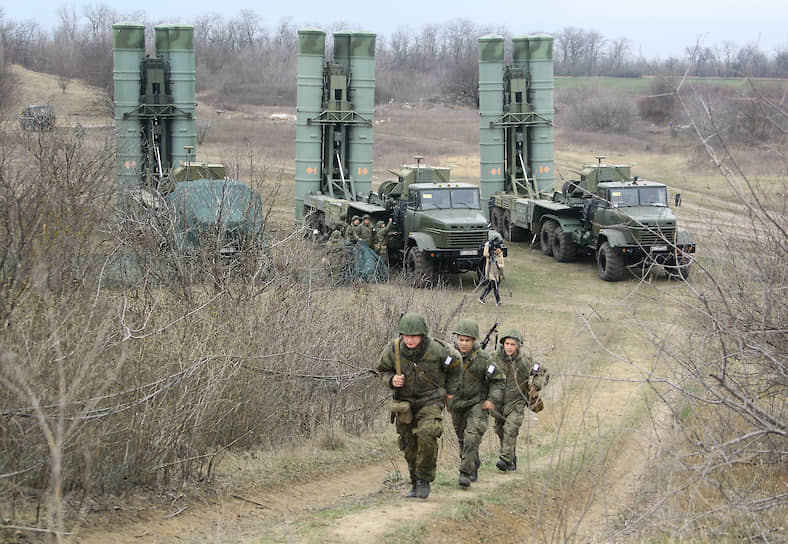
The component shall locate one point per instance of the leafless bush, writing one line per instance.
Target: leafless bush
(594, 110)
(661, 103)
(151, 379)
(730, 378)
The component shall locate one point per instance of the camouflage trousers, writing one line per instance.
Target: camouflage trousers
(470, 425)
(418, 440)
(508, 429)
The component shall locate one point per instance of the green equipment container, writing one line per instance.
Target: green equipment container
(128, 54)
(491, 70)
(362, 96)
(180, 54)
(540, 95)
(309, 99)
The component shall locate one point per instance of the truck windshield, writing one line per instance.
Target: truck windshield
(440, 199)
(639, 196)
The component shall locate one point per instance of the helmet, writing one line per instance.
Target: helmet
(336, 235)
(355, 218)
(467, 327)
(366, 216)
(412, 324)
(514, 334)
(380, 224)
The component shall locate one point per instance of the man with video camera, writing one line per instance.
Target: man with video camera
(493, 269)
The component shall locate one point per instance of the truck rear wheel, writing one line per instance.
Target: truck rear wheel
(507, 226)
(610, 263)
(496, 219)
(417, 268)
(546, 236)
(564, 248)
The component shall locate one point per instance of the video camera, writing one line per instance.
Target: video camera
(497, 243)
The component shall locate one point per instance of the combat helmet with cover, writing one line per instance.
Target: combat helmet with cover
(514, 334)
(413, 324)
(467, 327)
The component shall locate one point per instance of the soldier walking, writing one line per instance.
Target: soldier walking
(422, 371)
(480, 389)
(524, 379)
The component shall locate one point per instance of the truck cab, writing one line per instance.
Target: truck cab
(630, 221)
(442, 226)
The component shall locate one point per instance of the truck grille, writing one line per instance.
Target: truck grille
(648, 236)
(458, 239)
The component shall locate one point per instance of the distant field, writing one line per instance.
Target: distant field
(640, 85)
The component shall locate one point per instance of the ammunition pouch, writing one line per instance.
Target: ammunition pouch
(401, 408)
(535, 403)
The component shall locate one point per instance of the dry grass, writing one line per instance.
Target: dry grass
(182, 376)
(78, 104)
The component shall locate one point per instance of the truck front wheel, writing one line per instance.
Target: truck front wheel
(564, 248)
(680, 271)
(610, 263)
(546, 236)
(417, 268)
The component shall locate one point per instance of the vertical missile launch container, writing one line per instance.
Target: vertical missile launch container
(156, 138)
(334, 116)
(491, 74)
(620, 220)
(128, 53)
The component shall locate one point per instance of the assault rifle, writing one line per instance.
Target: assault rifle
(489, 333)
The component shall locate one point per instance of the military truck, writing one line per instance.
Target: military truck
(37, 117)
(438, 225)
(621, 220)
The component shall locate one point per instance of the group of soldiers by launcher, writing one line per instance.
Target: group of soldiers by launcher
(427, 374)
(362, 229)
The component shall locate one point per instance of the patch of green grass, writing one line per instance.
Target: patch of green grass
(406, 535)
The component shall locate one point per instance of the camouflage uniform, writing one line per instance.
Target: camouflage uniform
(431, 371)
(381, 239)
(365, 233)
(518, 382)
(352, 230)
(481, 380)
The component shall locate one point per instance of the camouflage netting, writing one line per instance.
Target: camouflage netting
(367, 265)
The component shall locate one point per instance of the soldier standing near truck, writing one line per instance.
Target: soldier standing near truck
(365, 232)
(524, 379)
(421, 371)
(480, 389)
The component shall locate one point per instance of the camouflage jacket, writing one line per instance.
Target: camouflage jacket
(481, 380)
(365, 233)
(381, 234)
(432, 370)
(518, 374)
(352, 233)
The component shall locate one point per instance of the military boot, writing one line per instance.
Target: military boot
(421, 490)
(504, 465)
(475, 474)
(412, 493)
(465, 480)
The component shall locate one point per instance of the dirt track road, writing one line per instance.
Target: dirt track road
(603, 413)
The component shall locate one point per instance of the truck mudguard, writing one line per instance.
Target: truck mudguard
(615, 237)
(683, 237)
(422, 240)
